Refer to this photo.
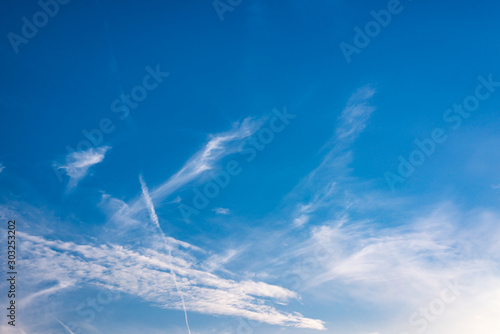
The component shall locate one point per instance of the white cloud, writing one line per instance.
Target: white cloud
(2, 167)
(78, 163)
(221, 211)
(144, 273)
(392, 269)
(8, 329)
(217, 261)
(356, 114)
(396, 262)
(326, 181)
(218, 146)
(301, 220)
(403, 268)
(398, 266)
(154, 219)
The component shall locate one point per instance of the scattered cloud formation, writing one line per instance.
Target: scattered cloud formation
(145, 273)
(334, 238)
(2, 167)
(217, 147)
(409, 265)
(374, 260)
(417, 255)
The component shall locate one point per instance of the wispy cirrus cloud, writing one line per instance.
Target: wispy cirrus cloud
(405, 267)
(78, 163)
(2, 167)
(218, 147)
(364, 251)
(413, 254)
(356, 114)
(396, 262)
(376, 260)
(217, 261)
(319, 188)
(117, 268)
(327, 191)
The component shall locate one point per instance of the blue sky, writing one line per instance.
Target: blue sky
(228, 167)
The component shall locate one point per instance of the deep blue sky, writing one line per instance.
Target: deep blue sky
(322, 178)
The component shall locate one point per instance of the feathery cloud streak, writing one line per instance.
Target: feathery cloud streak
(145, 273)
(218, 147)
(78, 163)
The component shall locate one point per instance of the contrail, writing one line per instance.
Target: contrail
(154, 219)
(64, 325)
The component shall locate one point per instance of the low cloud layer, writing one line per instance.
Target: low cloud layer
(146, 273)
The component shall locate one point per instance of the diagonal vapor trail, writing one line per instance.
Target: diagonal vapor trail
(154, 219)
(64, 326)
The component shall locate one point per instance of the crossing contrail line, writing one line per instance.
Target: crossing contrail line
(64, 326)
(154, 219)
